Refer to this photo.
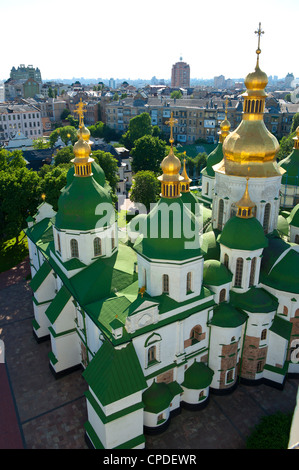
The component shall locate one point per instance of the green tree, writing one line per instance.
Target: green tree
(11, 160)
(65, 113)
(67, 133)
(177, 94)
(64, 155)
(139, 126)
(50, 93)
(52, 181)
(109, 165)
(40, 144)
(148, 153)
(145, 188)
(295, 122)
(19, 196)
(286, 145)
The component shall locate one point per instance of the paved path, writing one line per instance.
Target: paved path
(39, 412)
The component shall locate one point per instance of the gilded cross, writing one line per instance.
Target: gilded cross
(80, 111)
(226, 104)
(259, 32)
(172, 121)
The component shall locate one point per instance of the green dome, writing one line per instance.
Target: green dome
(191, 200)
(226, 316)
(213, 158)
(256, 300)
(215, 273)
(198, 376)
(157, 397)
(284, 275)
(97, 173)
(293, 218)
(243, 234)
(77, 204)
(170, 226)
(291, 165)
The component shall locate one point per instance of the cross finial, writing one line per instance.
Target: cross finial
(172, 121)
(259, 32)
(80, 111)
(226, 105)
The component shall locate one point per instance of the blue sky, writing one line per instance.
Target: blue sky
(140, 39)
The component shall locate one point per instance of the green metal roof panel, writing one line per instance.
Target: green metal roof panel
(215, 273)
(40, 276)
(243, 234)
(293, 218)
(157, 397)
(198, 376)
(284, 275)
(114, 374)
(256, 300)
(281, 327)
(227, 316)
(58, 304)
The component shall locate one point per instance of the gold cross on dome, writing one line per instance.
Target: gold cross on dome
(259, 32)
(172, 121)
(80, 110)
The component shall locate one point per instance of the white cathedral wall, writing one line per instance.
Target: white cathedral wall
(42, 319)
(208, 184)
(219, 337)
(247, 257)
(261, 191)
(66, 349)
(85, 243)
(293, 232)
(177, 273)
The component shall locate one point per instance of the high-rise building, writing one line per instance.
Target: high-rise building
(23, 73)
(180, 75)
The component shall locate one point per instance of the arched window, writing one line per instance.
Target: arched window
(58, 243)
(189, 283)
(74, 248)
(165, 284)
(233, 209)
(267, 217)
(207, 188)
(297, 239)
(220, 214)
(222, 295)
(151, 355)
(264, 334)
(252, 272)
(239, 272)
(226, 259)
(285, 310)
(195, 334)
(112, 240)
(259, 366)
(97, 246)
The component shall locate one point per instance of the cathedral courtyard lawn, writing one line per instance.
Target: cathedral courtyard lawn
(12, 254)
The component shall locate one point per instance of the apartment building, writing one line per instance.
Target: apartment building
(196, 118)
(20, 117)
(180, 75)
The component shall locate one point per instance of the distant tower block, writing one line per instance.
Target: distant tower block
(180, 75)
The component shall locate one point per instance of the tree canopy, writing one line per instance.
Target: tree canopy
(139, 126)
(148, 153)
(145, 188)
(67, 133)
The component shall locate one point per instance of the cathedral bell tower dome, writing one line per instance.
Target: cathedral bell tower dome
(251, 149)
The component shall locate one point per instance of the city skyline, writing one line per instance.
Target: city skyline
(96, 41)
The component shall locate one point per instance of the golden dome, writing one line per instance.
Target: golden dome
(171, 164)
(256, 80)
(81, 149)
(251, 149)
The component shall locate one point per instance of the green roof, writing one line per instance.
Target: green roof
(157, 397)
(216, 156)
(40, 276)
(198, 376)
(291, 165)
(281, 327)
(114, 374)
(170, 228)
(38, 229)
(284, 275)
(227, 316)
(282, 225)
(276, 246)
(192, 202)
(78, 202)
(243, 234)
(211, 245)
(293, 218)
(58, 304)
(215, 273)
(256, 300)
